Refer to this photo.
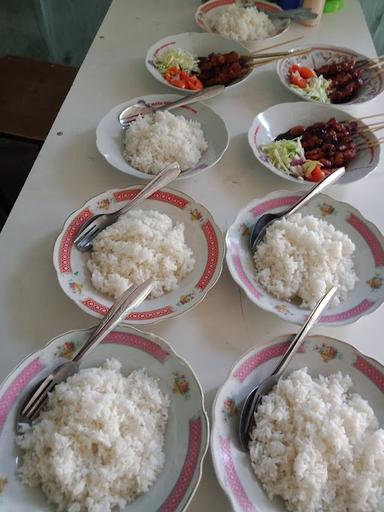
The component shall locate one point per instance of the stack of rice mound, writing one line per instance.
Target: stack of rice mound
(303, 256)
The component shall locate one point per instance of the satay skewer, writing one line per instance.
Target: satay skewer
(278, 44)
(369, 144)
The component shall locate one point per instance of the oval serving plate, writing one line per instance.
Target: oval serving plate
(213, 6)
(368, 258)
(202, 235)
(197, 43)
(187, 433)
(325, 54)
(322, 356)
(280, 118)
(109, 135)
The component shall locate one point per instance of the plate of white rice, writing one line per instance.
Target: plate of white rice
(195, 136)
(247, 24)
(124, 439)
(169, 237)
(318, 445)
(327, 243)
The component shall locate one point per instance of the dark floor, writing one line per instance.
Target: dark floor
(31, 94)
(16, 160)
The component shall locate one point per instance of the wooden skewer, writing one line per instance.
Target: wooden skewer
(276, 55)
(279, 44)
(362, 62)
(256, 63)
(379, 62)
(369, 117)
(369, 144)
(368, 131)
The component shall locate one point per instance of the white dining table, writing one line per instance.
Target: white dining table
(69, 170)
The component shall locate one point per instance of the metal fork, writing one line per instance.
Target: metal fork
(96, 224)
(127, 301)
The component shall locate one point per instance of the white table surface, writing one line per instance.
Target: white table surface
(69, 170)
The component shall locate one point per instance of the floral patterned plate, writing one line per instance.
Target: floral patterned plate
(109, 134)
(201, 234)
(187, 430)
(322, 356)
(280, 118)
(321, 55)
(368, 293)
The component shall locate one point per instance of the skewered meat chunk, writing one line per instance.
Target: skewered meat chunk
(222, 68)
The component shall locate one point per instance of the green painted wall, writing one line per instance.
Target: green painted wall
(61, 31)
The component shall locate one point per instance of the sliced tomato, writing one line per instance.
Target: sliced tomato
(294, 68)
(174, 70)
(297, 80)
(184, 75)
(317, 174)
(306, 72)
(194, 83)
(178, 83)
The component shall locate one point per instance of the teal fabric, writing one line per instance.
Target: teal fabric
(58, 31)
(374, 14)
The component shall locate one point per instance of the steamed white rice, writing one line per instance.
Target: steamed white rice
(154, 141)
(140, 245)
(318, 446)
(241, 23)
(303, 256)
(99, 442)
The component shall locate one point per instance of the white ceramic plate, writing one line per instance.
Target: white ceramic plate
(109, 135)
(201, 233)
(325, 54)
(198, 44)
(280, 118)
(205, 10)
(322, 356)
(187, 430)
(368, 293)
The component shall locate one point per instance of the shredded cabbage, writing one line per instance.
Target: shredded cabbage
(317, 89)
(179, 58)
(282, 153)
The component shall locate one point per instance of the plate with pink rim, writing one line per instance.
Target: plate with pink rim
(207, 9)
(197, 43)
(322, 356)
(320, 55)
(187, 433)
(201, 233)
(368, 258)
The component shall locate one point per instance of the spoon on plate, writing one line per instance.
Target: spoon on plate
(127, 301)
(263, 222)
(251, 403)
(93, 226)
(129, 114)
(295, 14)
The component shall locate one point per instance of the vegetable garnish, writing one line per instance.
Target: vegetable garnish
(182, 79)
(179, 58)
(289, 157)
(305, 81)
(285, 155)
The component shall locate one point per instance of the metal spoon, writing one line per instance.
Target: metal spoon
(129, 114)
(261, 225)
(253, 399)
(127, 301)
(299, 13)
(93, 226)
